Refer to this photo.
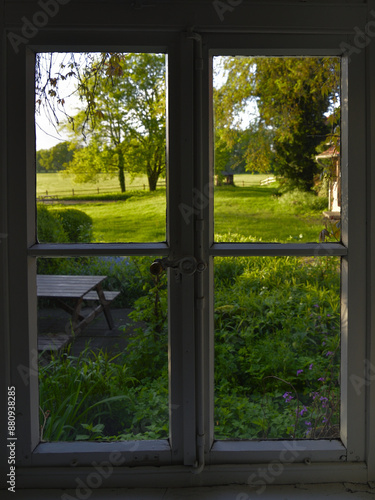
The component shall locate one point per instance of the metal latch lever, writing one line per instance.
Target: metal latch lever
(186, 265)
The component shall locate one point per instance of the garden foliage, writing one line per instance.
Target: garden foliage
(276, 355)
(95, 396)
(277, 337)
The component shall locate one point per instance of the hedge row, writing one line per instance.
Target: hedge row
(66, 225)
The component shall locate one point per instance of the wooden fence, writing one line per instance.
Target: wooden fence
(53, 194)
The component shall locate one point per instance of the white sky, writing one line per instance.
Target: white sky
(46, 134)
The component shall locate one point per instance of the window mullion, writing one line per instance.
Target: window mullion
(353, 302)
(181, 240)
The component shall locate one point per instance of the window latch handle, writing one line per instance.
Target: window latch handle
(186, 265)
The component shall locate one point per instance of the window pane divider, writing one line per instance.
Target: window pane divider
(278, 249)
(73, 249)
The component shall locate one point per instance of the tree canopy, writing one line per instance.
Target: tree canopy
(293, 97)
(127, 123)
(121, 124)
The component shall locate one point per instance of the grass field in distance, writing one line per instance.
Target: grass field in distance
(253, 210)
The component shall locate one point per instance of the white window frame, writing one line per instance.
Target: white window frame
(191, 343)
(351, 447)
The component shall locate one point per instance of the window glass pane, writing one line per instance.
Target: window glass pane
(277, 347)
(277, 148)
(101, 139)
(103, 372)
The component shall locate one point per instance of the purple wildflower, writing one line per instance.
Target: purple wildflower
(288, 397)
(329, 353)
(321, 379)
(308, 424)
(304, 410)
(311, 366)
(324, 401)
(299, 372)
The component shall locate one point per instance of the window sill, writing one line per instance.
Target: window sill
(298, 451)
(293, 492)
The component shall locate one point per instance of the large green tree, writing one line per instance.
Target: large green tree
(239, 149)
(55, 158)
(124, 121)
(293, 97)
(92, 162)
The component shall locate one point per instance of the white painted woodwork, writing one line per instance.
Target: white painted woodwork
(249, 27)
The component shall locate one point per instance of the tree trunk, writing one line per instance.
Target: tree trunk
(121, 170)
(152, 179)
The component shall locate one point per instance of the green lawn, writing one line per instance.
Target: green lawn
(248, 211)
(256, 211)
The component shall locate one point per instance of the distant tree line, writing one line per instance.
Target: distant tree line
(54, 159)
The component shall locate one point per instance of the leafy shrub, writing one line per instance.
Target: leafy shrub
(77, 224)
(277, 322)
(297, 201)
(50, 229)
(277, 330)
(147, 351)
(61, 226)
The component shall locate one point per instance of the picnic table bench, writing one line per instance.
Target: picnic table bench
(78, 289)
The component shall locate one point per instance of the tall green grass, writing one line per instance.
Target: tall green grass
(93, 396)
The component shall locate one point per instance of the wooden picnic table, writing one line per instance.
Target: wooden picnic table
(78, 289)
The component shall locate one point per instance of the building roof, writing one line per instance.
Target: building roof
(329, 153)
